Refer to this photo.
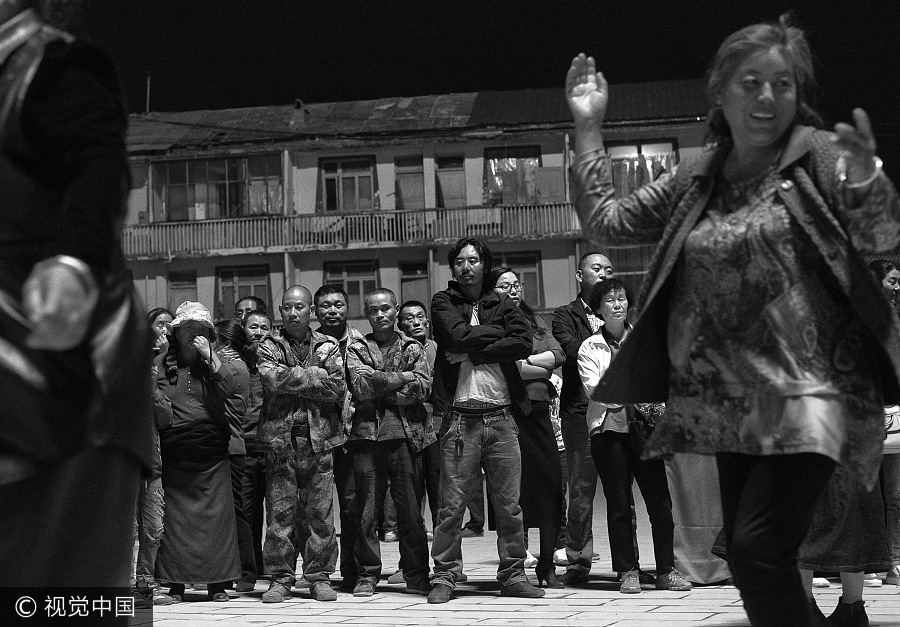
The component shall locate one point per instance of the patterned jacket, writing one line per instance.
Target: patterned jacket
(308, 392)
(389, 383)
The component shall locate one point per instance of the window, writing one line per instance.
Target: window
(409, 183)
(182, 287)
(509, 175)
(233, 284)
(357, 278)
(414, 282)
(201, 189)
(450, 182)
(528, 266)
(348, 184)
(635, 164)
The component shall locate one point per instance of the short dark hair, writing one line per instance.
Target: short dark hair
(589, 254)
(487, 260)
(380, 290)
(259, 302)
(411, 303)
(261, 314)
(881, 267)
(602, 288)
(330, 288)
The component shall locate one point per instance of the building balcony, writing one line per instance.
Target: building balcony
(378, 229)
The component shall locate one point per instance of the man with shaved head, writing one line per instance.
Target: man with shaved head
(303, 375)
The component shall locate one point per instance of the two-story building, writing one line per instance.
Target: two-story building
(238, 202)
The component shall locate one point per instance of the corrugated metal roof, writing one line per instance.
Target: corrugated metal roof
(155, 132)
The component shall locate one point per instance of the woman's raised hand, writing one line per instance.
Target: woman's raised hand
(858, 145)
(587, 93)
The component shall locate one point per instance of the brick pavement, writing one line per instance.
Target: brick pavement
(478, 602)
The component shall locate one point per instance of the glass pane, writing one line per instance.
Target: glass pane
(237, 203)
(273, 165)
(415, 289)
(256, 165)
(216, 200)
(160, 174)
(451, 188)
(449, 163)
(408, 163)
(348, 194)
(365, 193)
(331, 203)
(656, 149)
(216, 170)
(177, 172)
(355, 297)
(234, 169)
(329, 166)
(177, 204)
(356, 165)
(196, 172)
(410, 190)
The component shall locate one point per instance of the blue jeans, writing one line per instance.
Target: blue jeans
(151, 506)
(472, 441)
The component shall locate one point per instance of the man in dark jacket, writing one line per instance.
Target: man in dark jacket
(477, 389)
(572, 324)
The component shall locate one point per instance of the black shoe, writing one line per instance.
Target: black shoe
(574, 577)
(548, 575)
(468, 532)
(245, 586)
(522, 590)
(849, 614)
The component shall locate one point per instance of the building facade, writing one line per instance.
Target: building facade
(226, 204)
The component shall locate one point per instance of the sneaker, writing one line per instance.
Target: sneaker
(440, 593)
(893, 576)
(468, 532)
(521, 589)
(463, 578)
(820, 582)
(530, 560)
(673, 580)
(276, 593)
(560, 558)
(631, 583)
(364, 588)
(397, 577)
(391, 536)
(159, 597)
(322, 591)
(220, 596)
(245, 586)
(872, 580)
(646, 578)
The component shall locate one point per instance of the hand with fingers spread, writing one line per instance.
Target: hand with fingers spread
(857, 144)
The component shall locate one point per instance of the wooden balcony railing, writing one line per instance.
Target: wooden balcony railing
(379, 229)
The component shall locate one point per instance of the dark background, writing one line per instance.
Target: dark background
(212, 54)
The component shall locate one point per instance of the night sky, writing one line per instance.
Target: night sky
(232, 53)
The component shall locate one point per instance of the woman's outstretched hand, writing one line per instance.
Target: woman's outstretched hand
(587, 93)
(857, 143)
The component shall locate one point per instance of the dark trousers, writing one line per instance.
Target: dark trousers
(349, 513)
(71, 524)
(373, 464)
(767, 506)
(431, 478)
(618, 467)
(249, 568)
(253, 488)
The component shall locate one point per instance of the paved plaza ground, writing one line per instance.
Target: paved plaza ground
(478, 602)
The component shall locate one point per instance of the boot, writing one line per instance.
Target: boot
(850, 614)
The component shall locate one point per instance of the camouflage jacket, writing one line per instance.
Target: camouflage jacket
(308, 392)
(389, 384)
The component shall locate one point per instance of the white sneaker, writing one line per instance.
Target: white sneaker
(820, 582)
(530, 560)
(872, 580)
(560, 558)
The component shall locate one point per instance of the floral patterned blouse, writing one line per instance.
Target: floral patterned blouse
(766, 356)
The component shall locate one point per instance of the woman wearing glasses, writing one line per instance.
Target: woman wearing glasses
(541, 492)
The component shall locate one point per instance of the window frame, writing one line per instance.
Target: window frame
(223, 312)
(338, 176)
(344, 278)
